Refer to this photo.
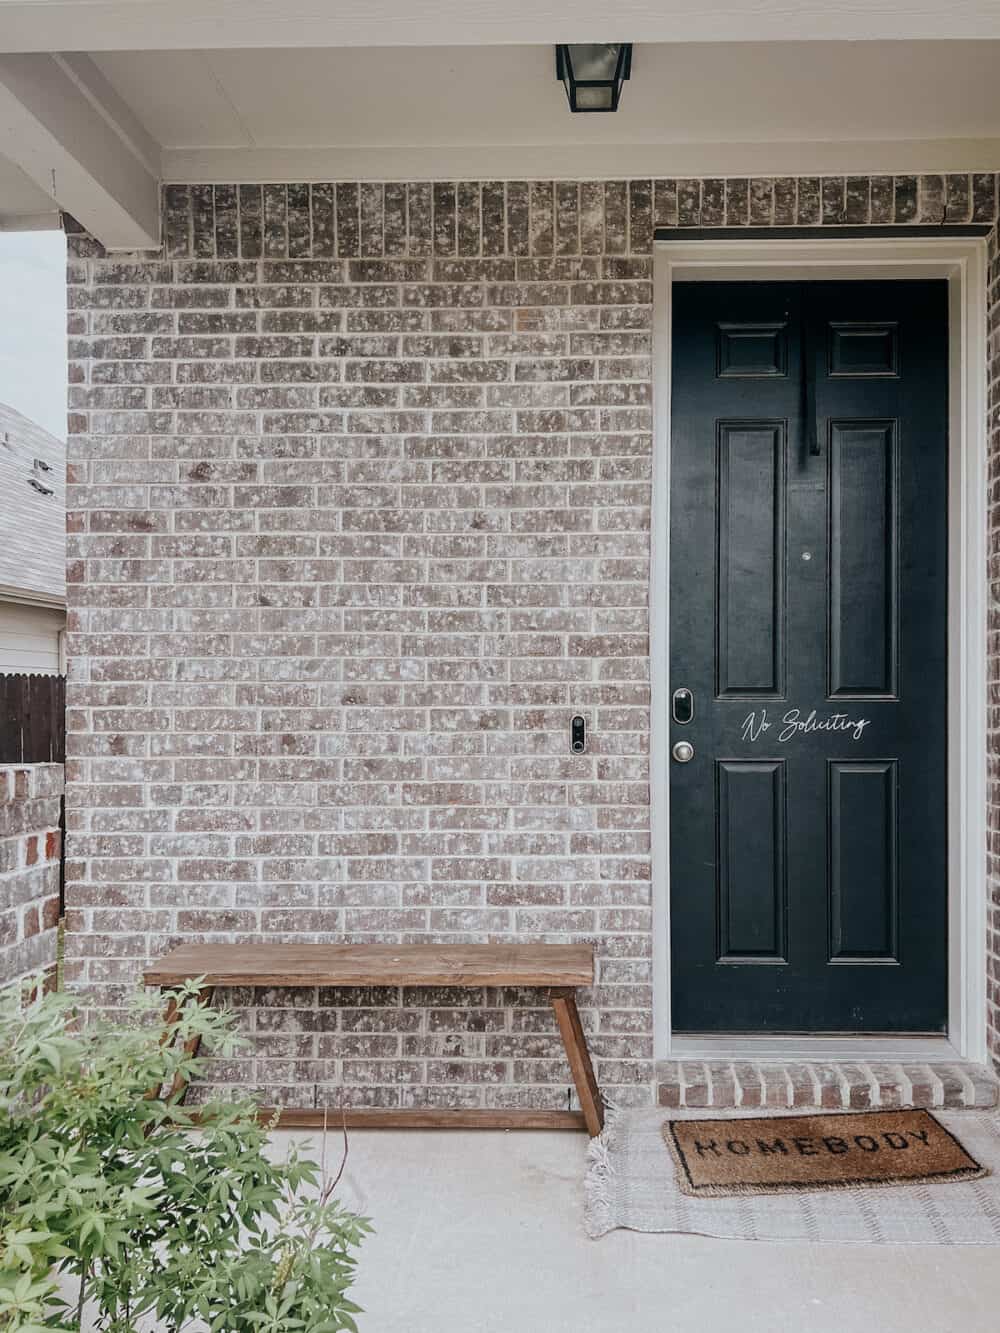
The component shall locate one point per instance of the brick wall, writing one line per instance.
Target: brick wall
(359, 518)
(29, 868)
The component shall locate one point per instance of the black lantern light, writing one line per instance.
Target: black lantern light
(593, 75)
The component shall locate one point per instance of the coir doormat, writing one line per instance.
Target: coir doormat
(788, 1154)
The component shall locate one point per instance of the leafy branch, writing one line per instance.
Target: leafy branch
(138, 1207)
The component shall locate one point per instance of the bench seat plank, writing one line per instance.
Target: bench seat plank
(376, 965)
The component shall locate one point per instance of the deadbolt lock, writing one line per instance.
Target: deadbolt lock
(683, 752)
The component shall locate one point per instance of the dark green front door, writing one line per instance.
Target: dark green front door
(808, 621)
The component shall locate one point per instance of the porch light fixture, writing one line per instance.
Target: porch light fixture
(593, 75)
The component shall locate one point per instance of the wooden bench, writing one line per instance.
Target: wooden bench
(557, 969)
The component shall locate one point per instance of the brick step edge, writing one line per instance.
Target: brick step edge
(825, 1084)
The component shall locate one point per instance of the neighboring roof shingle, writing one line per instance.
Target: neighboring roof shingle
(32, 523)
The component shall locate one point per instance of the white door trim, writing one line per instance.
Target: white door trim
(963, 263)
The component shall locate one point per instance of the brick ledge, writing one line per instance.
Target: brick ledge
(825, 1084)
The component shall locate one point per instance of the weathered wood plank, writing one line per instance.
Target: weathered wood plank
(370, 1118)
(58, 721)
(575, 1042)
(11, 713)
(377, 965)
(32, 719)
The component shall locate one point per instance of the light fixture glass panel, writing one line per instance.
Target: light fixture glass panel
(594, 99)
(594, 62)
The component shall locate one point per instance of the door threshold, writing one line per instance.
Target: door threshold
(802, 1046)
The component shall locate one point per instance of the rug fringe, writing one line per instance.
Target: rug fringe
(630, 1183)
(598, 1187)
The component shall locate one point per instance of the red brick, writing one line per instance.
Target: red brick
(696, 1084)
(749, 1086)
(925, 1090)
(861, 1091)
(776, 1088)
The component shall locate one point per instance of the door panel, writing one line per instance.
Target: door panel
(864, 886)
(808, 558)
(752, 351)
(751, 881)
(751, 558)
(863, 558)
(863, 349)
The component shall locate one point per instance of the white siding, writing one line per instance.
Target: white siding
(29, 638)
(32, 510)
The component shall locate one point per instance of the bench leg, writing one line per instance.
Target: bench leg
(171, 1018)
(575, 1041)
(178, 1089)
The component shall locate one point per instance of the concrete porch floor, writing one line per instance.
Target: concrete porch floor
(481, 1232)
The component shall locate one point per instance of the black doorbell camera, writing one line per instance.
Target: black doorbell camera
(578, 735)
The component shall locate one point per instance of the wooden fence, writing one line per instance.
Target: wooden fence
(32, 719)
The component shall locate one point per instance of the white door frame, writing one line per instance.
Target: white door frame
(962, 261)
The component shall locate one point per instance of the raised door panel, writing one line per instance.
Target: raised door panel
(751, 885)
(863, 600)
(751, 558)
(863, 866)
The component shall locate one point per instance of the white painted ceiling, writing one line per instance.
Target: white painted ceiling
(693, 93)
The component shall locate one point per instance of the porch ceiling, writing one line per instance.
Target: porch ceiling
(97, 132)
(494, 95)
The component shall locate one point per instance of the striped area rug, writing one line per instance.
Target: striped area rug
(632, 1183)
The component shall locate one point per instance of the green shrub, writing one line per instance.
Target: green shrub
(114, 1195)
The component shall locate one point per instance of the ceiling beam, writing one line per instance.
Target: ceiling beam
(68, 130)
(147, 25)
(32, 221)
(555, 161)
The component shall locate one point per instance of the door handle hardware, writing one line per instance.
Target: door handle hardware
(682, 706)
(810, 422)
(683, 752)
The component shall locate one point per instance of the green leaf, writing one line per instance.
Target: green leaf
(158, 1219)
